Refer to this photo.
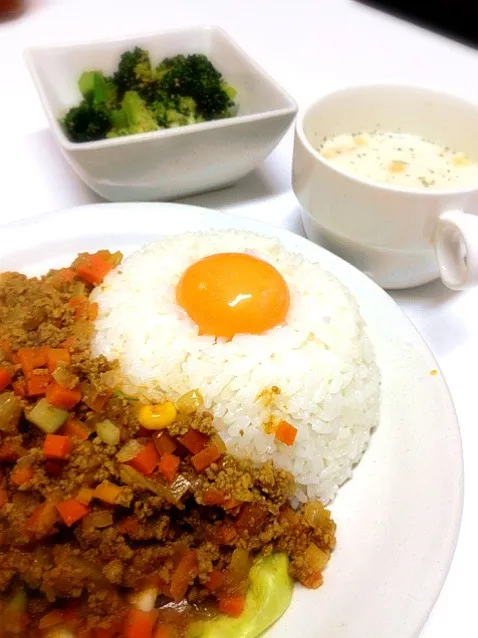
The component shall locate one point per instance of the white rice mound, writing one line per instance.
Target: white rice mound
(321, 360)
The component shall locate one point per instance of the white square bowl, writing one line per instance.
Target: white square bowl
(174, 162)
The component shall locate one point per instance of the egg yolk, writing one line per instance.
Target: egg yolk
(233, 293)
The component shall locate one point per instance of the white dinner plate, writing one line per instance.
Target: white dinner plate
(398, 518)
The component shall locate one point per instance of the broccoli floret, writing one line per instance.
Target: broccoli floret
(194, 76)
(175, 111)
(87, 122)
(133, 117)
(135, 73)
(187, 106)
(175, 118)
(160, 110)
(138, 98)
(97, 88)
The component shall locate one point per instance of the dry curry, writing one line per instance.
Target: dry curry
(104, 498)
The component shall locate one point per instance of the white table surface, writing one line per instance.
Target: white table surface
(310, 47)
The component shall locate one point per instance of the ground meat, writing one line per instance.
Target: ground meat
(33, 312)
(201, 421)
(223, 515)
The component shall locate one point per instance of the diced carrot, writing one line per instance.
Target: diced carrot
(7, 452)
(108, 492)
(289, 515)
(19, 388)
(56, 356)
(216, 580)
(251, 518)
(194, 441)
(51, 619)
(71, 615)
(313, 581)
(140, 624)
(5, 377)
(57, 446)
(69, 342)
(42, 519)
(232, 606)
(128, 525)
(72, 511)
(108, 632)
(31, 358)
(105, 632)
(93, 268)
(113, 258)
(85, 495)
(231, 503)
(226, 534)
(163, 631)
(67, 274)
(164, 442)
(19, 477)
(205, 457)
(36, 384)
(146, 460)
(92, 312)
(75, 429)
(184, 574)
(168, 466)
(286, 433)
(79, 305)
(62, 398)
(3, 497)
(53, 468)
(214, 496)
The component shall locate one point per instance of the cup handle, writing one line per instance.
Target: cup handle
(456, 248)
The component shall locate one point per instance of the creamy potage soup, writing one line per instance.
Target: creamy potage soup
(400, 159)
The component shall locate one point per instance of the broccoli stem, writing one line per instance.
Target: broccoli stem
(93, 86)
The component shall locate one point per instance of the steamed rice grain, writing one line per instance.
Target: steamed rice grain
(321, 360)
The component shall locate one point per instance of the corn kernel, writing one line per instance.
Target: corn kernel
(397, 166)
(360, 140)
(190, 402)
(461, 160)
(157, 417)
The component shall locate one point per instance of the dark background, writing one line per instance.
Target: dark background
(457, 19)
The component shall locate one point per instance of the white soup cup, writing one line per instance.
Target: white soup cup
(400, 237)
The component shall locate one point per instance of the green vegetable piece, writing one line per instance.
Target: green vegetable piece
(268, 597)
(46, 417)
(97, 89)
(136, 115)
(10, 411)
(118, 119)
(18, 601)
(230, 90)
(121, 395)
(135, 73)
(108, 432)
(87, 122)
(195, 77)
(92, 86)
